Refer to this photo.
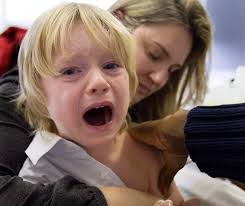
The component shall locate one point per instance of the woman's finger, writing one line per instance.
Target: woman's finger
(163, 203)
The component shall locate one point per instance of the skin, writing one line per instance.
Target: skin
(125, 196)
(157, 55)
(89, 77)
(156, 60)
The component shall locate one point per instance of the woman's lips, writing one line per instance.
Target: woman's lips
(143, 89)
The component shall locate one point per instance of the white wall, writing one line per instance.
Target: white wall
(227, 18)
(224, 61)
(2, 15)
(22, 13)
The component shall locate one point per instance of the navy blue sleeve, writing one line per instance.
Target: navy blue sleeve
(215, 139)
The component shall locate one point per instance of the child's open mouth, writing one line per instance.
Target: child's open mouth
(98, 116)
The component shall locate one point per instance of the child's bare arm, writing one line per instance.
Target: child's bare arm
(117, 196)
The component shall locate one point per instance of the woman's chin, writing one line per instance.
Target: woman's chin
(138, 98)
(134, 101)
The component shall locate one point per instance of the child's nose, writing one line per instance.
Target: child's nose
(99, 90)
(98, 84)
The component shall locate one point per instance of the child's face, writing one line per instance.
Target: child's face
(89, 100)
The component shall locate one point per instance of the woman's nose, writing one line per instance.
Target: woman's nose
(158, 77)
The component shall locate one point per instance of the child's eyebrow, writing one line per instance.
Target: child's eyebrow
(69, 58)
(62, 62)
(79, 58)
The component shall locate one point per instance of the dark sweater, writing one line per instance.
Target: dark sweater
(14, 139)
(215, 139)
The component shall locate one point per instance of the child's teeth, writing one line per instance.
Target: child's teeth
(107, 115)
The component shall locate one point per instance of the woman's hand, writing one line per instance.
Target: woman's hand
(164, 203)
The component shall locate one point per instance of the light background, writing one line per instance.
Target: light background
(22, 13)
(227, 17)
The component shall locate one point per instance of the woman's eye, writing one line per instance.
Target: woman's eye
(111, 66)
(154, 57)
(70, 71)
(174, 68)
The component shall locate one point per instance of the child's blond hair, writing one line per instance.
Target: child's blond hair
(48, 35)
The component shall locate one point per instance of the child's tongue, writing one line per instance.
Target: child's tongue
(98, 116)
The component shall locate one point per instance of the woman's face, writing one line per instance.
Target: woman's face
(161, 50)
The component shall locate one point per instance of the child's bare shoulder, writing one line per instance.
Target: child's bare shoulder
(148, 161)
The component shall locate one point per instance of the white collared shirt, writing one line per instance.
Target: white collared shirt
(51, 157)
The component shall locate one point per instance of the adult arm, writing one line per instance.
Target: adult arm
(67, 191)
(215, 140)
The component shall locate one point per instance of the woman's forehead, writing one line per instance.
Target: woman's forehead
(174, 39)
